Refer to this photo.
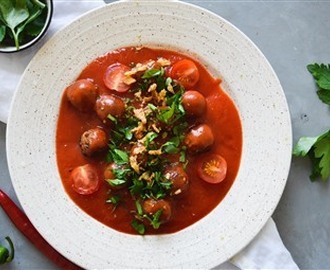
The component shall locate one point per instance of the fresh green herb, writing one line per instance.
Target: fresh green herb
(112, 118)
(138, 226)
(321, 74)
(182, 156)
(318, 148)
(157, 130)
(118, 156)
(155, 223)
(21, 20)
(151, 73)
(149, 137)
(115, 200)
(172, 146)
(6, 255)
(137, 187)
(139, 208)
(116, 182)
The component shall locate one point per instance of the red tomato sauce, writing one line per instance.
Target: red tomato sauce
(221, 115)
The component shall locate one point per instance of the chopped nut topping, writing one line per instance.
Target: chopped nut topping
(170, 89)
(147, 176)
(139, 149)
(155, 128)
(155, 152)
(128, 80)
(138, 131)
(163, 62)
(140, 114)
(134, 164)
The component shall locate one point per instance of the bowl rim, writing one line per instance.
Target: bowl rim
(217, 251)
(12, 49)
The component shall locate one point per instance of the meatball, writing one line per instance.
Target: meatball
(199, 138)
(178, 177)
(109, 174)
(82, 94)
(194, 103)
(92, 141)
(109, 104)
(151, 207)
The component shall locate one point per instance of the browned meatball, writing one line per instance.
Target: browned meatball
(92, 141)
(194, 103)
(178, 177)
(82, 94)
(151, 207)
(109, 174)
(109, 104)
(199, 138)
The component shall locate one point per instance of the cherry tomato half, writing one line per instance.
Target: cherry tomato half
(185, 72)
(212, 168)
(114, 77)
(85, 179)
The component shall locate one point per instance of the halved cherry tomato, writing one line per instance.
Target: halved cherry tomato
(85, 179)
(185, 72)
(114, 77)
(212, 168)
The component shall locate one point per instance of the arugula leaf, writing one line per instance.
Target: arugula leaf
(318, 150)
(321, 74)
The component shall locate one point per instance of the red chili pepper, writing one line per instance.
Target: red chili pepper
(25, 226)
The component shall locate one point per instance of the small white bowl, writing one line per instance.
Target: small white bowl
(12, 49)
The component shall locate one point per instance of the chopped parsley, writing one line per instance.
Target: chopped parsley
(142, 142)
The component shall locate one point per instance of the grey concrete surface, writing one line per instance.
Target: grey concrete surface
(291, 34)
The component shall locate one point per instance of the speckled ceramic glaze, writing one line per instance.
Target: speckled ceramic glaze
(226, 52)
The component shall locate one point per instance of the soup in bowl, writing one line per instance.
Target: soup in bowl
(147, 141)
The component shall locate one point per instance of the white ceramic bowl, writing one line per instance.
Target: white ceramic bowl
(226, 52)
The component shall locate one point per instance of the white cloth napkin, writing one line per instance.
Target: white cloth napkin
(266, 251)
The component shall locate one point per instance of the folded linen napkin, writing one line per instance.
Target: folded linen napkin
(266, 251)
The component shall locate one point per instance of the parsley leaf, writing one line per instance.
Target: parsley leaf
(114, 200)
(138, 226)
(318, 150)
(155, 222)
(150, 73)
(321, 74)
(118, 156)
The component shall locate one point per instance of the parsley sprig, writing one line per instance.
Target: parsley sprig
(318, 148)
